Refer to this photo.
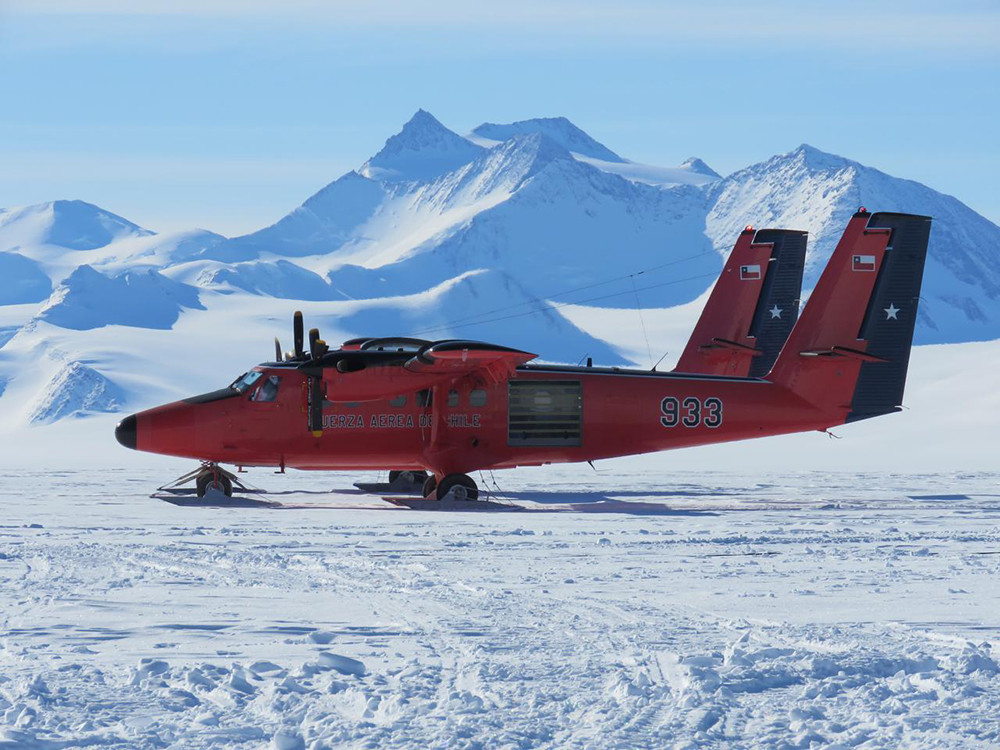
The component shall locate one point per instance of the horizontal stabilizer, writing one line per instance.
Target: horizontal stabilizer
(718, 343)
(843, 351)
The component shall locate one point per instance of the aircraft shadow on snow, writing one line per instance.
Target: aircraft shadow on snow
(578, 501)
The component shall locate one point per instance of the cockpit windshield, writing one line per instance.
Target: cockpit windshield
(268, 390)
(245, 381)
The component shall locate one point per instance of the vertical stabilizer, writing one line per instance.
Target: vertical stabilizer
(891, 316)
(752, 307)
(849, 350)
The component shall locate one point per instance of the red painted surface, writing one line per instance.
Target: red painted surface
(833, 318)
(728, 315)
(622, 415)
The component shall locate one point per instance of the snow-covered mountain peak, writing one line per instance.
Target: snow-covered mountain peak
(696, 165)
(422, 150)
(815, 191)
(814, 159)
(528, 153)
(72, 224)
(558, 129)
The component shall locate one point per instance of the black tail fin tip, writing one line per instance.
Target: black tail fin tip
(778, 304)
(891, 315)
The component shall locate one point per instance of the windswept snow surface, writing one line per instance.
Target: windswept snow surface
(619, 609)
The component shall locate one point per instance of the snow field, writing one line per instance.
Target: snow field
(688, 610)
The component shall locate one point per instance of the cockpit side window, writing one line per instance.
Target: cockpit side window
(245, 381)
(268, 390)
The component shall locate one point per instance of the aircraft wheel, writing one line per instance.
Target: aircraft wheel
(462, 486)
(415, 477)
(219, 482)
(430, 484)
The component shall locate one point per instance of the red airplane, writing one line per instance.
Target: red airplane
(454, 407)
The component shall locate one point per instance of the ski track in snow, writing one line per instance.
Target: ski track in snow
(688, 610)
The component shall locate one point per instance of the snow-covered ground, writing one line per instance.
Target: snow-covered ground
(634, 607)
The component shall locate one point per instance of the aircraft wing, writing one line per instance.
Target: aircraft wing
(457, 358)
(374, 375)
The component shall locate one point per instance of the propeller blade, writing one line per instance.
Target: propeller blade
(313, 338)
(297, 328)
(315, 406)
(277, 350)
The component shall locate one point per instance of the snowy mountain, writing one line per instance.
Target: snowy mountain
(140, 298)
(524, 199)
(53, 239)
(530, 234)
(75, 225)
(696, 166)
(75, 390)
(23, 280)
(526, 320)
(422, 150)
(812, 190)
(556, 129)
(583, 148)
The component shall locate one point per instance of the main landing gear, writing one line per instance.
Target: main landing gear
(459, 487)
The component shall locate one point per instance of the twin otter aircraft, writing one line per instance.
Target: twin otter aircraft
(449, 408)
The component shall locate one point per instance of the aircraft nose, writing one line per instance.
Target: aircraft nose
(125, 432)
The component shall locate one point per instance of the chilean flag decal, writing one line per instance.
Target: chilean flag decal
(863, 263)
(750, 273)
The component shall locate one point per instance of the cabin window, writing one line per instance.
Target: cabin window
(268, 390)
(246, 380)
(545, 412)
(477, 397)
(424, 398)
(399, 402)
(452, 398)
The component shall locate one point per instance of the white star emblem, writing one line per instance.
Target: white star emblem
(890, 312)
(775, 312)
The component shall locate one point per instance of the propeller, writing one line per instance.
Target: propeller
(277, 350)
(315, 414)
(297, 328)
(310, 365)
(313, 341)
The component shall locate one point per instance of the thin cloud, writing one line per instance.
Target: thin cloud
(970, 27)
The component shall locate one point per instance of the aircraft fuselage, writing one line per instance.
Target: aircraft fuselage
(543, 414)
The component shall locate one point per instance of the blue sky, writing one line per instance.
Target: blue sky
(226, 114)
